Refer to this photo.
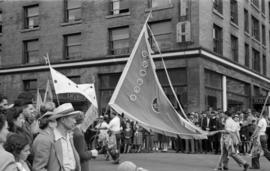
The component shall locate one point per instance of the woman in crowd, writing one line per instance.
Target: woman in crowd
(7, 161)
(127, 132)
(138, 137)
(19, 146)
(16, 120)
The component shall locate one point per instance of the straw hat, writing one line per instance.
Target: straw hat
(64, 110)
(127, 166)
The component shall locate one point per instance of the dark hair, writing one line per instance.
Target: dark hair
(15, 144)
(13, 114)
(228, 113)
(2, 121)
(44, 122)
(2, 97)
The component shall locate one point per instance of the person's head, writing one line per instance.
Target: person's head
(3, 129)
(15, 118)
(18, 145)
(128, 124)
(3, 102)
(79, 118)
(45, 107)
(228, 114)
(65, 116)
(29, 112)
(129, 166)
(45, 121)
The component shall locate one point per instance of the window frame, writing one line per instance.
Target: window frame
(255, 27)
(246, 20)
(67, 10)
(256, 64)
(247, 55)
(26, 57)
(27, 83)
(234, 11)
(170, 34)
(218, 6)
(218, 42)
(234, 48)
(111, 42)
(120, 10)
(66, 45)
(150, 4)
(26, 24)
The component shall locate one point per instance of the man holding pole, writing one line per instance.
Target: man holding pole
(261, 135)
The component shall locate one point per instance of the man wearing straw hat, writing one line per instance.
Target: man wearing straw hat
(57, 151)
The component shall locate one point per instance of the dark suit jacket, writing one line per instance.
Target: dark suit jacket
(81, 147)
(48, 154)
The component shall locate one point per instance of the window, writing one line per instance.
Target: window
(218, 5)
(72, 45)
(1, 22)
(264, 64)
(255, 28)
(246, 55)
(31, 17)
(217, 38)
(108, 83)
(256, 60)
(72, 10)
(30, 85)
(263, 6)
(234, 11)
(246, 21)
(263, 35)
(178, 77)
(255, 3)
(119, 7)
(31, 51)
(159, 3)
(119, 40)
(162, 31)
(234, 48)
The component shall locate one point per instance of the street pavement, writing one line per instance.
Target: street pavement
(172, 162)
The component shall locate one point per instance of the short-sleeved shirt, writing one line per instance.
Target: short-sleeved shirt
(263, 125)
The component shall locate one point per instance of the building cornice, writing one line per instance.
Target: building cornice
(193, 52)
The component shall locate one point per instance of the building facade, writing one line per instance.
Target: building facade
(216, 52)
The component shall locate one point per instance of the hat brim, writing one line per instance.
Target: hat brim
(61, 115)
(49, 114)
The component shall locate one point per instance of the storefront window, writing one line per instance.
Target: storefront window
(238, 95)
(213, 90)
(178, 78)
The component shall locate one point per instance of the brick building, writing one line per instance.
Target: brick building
(217, 52)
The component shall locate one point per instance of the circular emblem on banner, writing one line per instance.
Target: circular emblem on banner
(137, 89)
(133, 97)
(145, 64)
(144, 54)
(155, 105)
(142, 72)
(140, 81)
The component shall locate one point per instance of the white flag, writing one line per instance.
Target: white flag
(89, 89)
(64, 85)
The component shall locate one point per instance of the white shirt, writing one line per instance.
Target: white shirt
(262, 125)
(231, 125)
(102, 125)
(69, 162)
(114, 124)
